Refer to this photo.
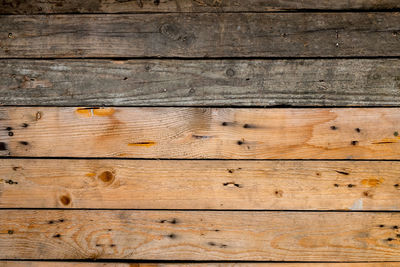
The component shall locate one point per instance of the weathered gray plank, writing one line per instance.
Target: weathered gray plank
(332, 82)
(201, 35)
(199, 235)
(123, 6)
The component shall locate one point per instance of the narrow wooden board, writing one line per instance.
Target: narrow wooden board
(218, 133)
(238, 185)
(268, 264)
(201, 35)
(125, 6)
(206, 235)
(331, 82)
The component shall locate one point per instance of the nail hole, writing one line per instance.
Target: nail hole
(172, 236)
(3, 146)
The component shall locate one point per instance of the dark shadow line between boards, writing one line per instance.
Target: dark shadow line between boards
(217, 10)
(190, 159)
(199, 58)
(182, 261)
(210, 210)
(203, 106)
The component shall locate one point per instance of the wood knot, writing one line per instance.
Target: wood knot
(172, 32)
(106, 176)
(65, 200)
(230, 72)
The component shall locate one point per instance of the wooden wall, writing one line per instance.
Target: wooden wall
(199, 132)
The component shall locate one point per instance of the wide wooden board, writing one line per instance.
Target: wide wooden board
(205, 235)
(125, 6)
(217, 133)
(201, 35)
(323, 82)
(190, 184)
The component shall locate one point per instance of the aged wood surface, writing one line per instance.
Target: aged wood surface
(332, 82)
(267, 264)
(224, 133)
(201, 35)
(199, 235)
(190, 184)
(124, 6)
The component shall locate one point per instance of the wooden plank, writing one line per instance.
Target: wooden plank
(199, 235)
(225, 133)
(201, 35)
(126, 6)
(238, 185)
(332, 82)
(267, 264)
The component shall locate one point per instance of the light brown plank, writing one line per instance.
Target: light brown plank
(226, 133)
(201, 35)
(155, 184)
(124, 6)
(199, 235)
(268, 264)
(332, 82)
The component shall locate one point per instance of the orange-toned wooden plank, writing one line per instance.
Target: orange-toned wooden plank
(199, 235)
(341, 133)
(191, 184)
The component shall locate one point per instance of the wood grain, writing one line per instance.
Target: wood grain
(201, 35)
(267, 264)
(218, 133)
(125, 6)
(189, 184)
(217, 235)
(332, 82)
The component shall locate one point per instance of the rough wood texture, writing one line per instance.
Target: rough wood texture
(124, 6)
(223, 133)
(249, 185)
(201, 35)
(199, 235)
(269, 264)
(332, 82)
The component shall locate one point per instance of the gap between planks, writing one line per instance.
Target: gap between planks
(112, 6)
(238, 264)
